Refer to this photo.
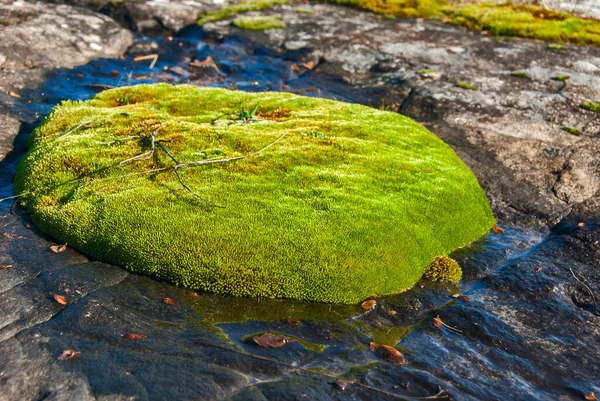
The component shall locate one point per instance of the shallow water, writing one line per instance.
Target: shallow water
(526, 331)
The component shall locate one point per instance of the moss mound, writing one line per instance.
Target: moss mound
(443, 269)
(352, 202)
(258, 23)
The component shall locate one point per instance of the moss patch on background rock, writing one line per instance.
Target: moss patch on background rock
(339, 217)
(505, 19)
(258, 23)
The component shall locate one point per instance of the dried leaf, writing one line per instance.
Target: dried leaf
(61, 299)
(58, 248)
(193, 294)
(294, 67)
(268, 340)
(369, 304)
(169, 301)
(581, 224)
(445, 19)
(465, 298)
(591, 397)
(539, 269)
(309, 65)
(208, 62)
(134, 336)
(68, 354)
(497, 229)
(387, 352)
(14, 94)
(290, 322)
(437, 322)
(4, 267)
(115, 73)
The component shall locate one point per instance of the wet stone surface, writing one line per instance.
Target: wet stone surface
(528, 330)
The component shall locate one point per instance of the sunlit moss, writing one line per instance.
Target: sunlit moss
(466, 85)
(561, 78)
(520, 74)
(572, 130)
(591, 106)
(352, 202)
(506, 19)
(443, 269)
(258, 23)
(231, 11)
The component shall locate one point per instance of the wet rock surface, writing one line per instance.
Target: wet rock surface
(528, 328)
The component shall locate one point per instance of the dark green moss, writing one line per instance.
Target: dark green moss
(466, 85)
(591, 106)
(231, 11)
(352, 202)
(520, 74)
(561, 78)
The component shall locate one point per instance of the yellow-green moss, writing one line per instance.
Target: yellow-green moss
(572, 130)
(506, 19)
(357, 211)
(591, 106)
(561, 78)
(520, 74)
(443, 269)
(258, 23)
(231, 11)
(466, 85)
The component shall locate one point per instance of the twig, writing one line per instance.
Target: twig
(146, 155)
(451, 328)
(74, 129)
(584, 284)
(128, 138)
(153, 57)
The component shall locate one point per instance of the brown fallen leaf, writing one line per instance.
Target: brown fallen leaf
(4, 267)
(369, 304)
(14, 94)
(115, 73)
(169, 301)
(208, 62)
(465, 298)
(294, 67)
(387, 352)
(290, 322)
(310, 65)
(342, 384)
(268, 340)
(539, 269)
(61, 299)
(134, 336)
(445, 19)
(591, 397)
(581, 224)
(193, 294)
(497, 229)
(437, 322)
(58, 248)
(67, 354)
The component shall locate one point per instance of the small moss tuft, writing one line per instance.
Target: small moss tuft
(425, 71)
(561, 78)
(572, 130)
(591, 106)
(231, 11)
(258, 23)
(554, 46)
(520, 74)
(466, 85)
(443, 269)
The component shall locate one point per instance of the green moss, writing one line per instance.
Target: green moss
(591, 106)
(466, 85)
(231, 11)
(443, 269)
(561, 78)
(258, 23)
(554, 46)
(425, 71)
(520, 74)
(304, 10)
(506, 19)
(359, 211)
(572, 130)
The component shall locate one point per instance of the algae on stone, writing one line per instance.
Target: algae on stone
(353, 202)
(230, 11)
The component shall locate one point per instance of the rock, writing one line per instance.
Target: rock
(37, 37)
(9, 128)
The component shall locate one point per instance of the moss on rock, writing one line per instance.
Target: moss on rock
(355, 212)
(443, 269)
(258, 23)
